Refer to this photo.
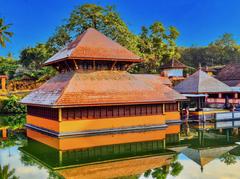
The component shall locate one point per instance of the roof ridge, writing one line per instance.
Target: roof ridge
(64, 89)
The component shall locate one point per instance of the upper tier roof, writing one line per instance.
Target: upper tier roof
(173, 64)
(76, 88)
(201, 82)
(93, 45)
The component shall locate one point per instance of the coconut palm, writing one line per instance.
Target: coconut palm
(6, 173)
(4, 33)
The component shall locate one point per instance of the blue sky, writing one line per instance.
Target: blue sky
(199, 21)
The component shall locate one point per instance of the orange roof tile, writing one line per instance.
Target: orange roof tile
(154, 78)
(100, 88)
(93, 45)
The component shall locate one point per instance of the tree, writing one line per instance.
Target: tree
(4, 33)
(104, 19)
(157, 45)
(174, 169)
(6, 173)
(34, 57)
(8, 66)
(220, 52)
(228, 159)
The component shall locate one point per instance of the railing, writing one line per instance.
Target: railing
(222, 101)
(227, 116)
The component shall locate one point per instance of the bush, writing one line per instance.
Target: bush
(12, 105)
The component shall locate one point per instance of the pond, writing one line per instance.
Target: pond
(189, 150)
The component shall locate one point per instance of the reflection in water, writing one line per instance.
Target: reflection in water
(170, 152)
(174, 169)
(7, 173)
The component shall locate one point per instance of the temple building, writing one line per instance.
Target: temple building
(94, 94)
(173, 69)
(205, 88)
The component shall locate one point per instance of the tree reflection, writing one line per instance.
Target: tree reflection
(228, 159)
(6, 173)
(13, 140)
(174, 169)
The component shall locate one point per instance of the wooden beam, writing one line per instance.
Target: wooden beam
(75, 64)
(163, 110)
(114, 63)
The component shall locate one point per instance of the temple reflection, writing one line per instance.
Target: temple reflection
(135, 153)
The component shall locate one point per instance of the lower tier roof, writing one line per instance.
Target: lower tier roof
(101, 88)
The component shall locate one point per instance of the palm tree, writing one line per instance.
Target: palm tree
(4, 33)
(6, 173)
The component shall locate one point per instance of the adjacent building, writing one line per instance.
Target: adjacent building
(173, 69)
(94, 94)
(205, 89)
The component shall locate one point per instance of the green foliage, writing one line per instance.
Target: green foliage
(15, 122)
(8, 66)
(174, 169)
(14, 139)
(157, 45)
(7, 173)
(34, 57)
(4, 33)
(228, 159)
(220, 52)
(32, 60)
(12, 105)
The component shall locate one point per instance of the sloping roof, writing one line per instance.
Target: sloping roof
(125, 168)
(93, 45)
(100, 88)
(229, 72)
(232, 83)
(173, 64)
(204, 156)
(201, 82)
(154, 78)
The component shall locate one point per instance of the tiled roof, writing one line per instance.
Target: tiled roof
(173, 64)
(229, 72)
(201, 82)
(154, 78)
(100, 88)
(232, 83)
(93, 45)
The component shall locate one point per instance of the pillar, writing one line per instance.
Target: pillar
(4, 133)
(3, 83)
(236, 95)
(59, 114)
(163, 110)
(60, 155)
(219, 95)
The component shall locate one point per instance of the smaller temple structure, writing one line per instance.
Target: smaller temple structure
(173, 70)
(210, 71)
(3, 79)
(206, 89)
